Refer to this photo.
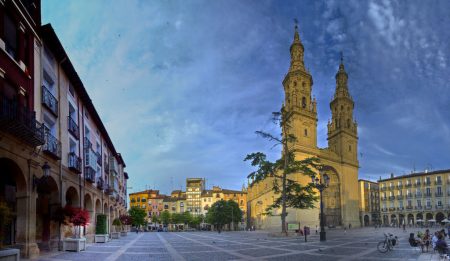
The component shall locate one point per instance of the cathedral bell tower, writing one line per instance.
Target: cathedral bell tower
(342, 130)
(297, 89)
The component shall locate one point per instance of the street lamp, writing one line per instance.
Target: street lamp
(321, 184)
(46, 171)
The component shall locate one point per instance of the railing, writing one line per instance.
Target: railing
(383, 198)
(438, 182)
(391, 209)
(73, 128)
(113, 166)
(391, 197)
(409, 195)
(384, 209)
(418, 195)
(400, 186)
(409, 207)
(427, 194)
(427, 183)
(109, 189)
(52, 146)
(100, 183)
(391, 187)
(89, 174)
(74, 162)
(417, 184)
(106, 166)
(428, 207)
(400, 208)
(20, 122)
(383, 188)
(439, 207)
(408, 185)
(49, 101)
(437, 194)
(400, 197)
(418, 207)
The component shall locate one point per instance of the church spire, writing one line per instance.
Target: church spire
(297, 51)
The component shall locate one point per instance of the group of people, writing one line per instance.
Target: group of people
(436, 241)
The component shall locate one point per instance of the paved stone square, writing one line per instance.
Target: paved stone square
(355, 244)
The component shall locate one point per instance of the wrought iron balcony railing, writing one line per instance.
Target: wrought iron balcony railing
(391, 209)
(400, 186)
(74, 162)
(409, 195)
(90, 158)
(428, 207)
(73, 128)
(418, 195)
(409, 207)
(52, 146)
(439, 206)
(408, 185)
(427, 194)
(438, 182)
(399, 196)
(100, 183)
(383, 188)
(383, 198)
(391, 197)
(20, 122)
(49, 101)
(418, 207)
(87, 143)
(106, 167)
(99, 158)
(417, 184)
(89, 174)
(437, 194)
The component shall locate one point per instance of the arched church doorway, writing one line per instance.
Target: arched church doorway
(13, 190)
(332, 198)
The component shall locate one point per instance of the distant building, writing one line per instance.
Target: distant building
(415, 198)
(369, 203)
(194, 188)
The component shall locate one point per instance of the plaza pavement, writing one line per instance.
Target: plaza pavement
(355, 244)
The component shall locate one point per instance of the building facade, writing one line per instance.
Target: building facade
(54, 148)
(194, 188)
(369, 203)
(416, 198)
(340, 158)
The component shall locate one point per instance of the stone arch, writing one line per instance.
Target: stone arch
(428, 216)
(89, 206)
(366, 220)
(13, 191)
(439, 217)
(401, 219)
(47, 203)
(332, 198)
(98, 207)
(72, 197)
(410, 219)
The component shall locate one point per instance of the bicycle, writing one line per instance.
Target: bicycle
(387, 244)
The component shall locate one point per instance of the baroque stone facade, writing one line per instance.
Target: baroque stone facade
(340, 157)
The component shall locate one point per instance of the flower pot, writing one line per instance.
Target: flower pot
(123, 233)
(74, 244)
(9, 254)
(115, 235)
(101, 238)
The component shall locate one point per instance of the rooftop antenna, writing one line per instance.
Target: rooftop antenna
(171, 183)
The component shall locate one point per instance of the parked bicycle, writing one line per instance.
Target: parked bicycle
(388, 243)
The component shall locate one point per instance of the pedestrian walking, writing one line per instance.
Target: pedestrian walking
(349, 226)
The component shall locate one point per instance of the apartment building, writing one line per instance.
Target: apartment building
(415, 198)
(54, 149)
(194, 188)
(369, 202)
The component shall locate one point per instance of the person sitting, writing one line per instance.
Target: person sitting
(441, 245)
(415, 242)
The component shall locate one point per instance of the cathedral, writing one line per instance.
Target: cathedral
(340, 158)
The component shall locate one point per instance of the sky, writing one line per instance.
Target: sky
(182, 86)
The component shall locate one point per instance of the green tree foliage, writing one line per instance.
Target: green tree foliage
(291, 193)
(177, 218)
(138, 216)
(156, 219)
(224, 212)
(186, 217)
(117, 223)
(165, 217)
(100, 227)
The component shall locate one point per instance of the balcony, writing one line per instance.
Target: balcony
(438, 194)
(383, 188)
(417, 184)
(383, 199)
(427, 195)
(109, 189)
(438, 182)
(90, 158)
(49, 101)
(87, 143)
(383, 209)
(408, 185)
(409, 207)
(427, 183)
(418, 207)
(399, 186)
(400, 208)
(409, 195)
(73, 128)
(20, 122)
(100, 183)
(106, 166)
(418, 195)
(428, 207)
(113, 168)
(89, 174)
(391, 197)
(74, 163)
(439, 207)
(400, 197)
(391, 209)
(99, 159)
(391, 187)
(52, 146)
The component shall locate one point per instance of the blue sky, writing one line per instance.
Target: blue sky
(182, 85)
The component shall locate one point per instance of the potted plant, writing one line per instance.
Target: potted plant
(5, 219)
(116, 223)
(101, 231)
(126, 221)
(79, 218)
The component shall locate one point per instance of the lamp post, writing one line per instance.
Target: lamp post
(46, 173)
(321, 184)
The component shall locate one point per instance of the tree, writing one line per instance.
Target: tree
(126, 220)
(100, 227)
(291, 193)
(165, 217)
(138, 216)
(223, 212)
(117, 223)
(196, 221)
(186, 217)
(177, 218)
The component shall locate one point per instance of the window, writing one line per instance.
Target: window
(439, 203)
(428, 180)
(438, 179)
(306, 132)
(303, 102)
(295, 83)
(419, 203)
(10, 37)
(400, 204)
(349, 147)
(428, 203)
(409, 203)
(428, 192)
(439, 190)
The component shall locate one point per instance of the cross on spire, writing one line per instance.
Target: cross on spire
(342, 57)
